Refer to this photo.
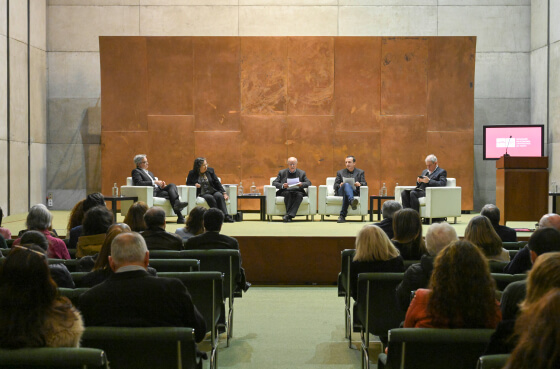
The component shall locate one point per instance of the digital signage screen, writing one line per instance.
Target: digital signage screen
(526, 140)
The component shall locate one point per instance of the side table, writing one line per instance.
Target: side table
(379, 198)
(115, 199)
(262, 203)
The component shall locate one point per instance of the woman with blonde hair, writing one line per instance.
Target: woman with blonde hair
(480, 232)
(374, 253)
(407, 238)
(135, 216)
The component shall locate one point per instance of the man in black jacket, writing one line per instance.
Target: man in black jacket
(346, 190)
(432, 176)
(492, 212)
(156, 237)
(388, 210)
(293, 193)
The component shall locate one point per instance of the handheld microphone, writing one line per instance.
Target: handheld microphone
(507, 146)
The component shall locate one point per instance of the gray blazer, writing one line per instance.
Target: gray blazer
(358, 175)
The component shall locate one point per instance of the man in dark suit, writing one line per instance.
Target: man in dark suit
(155, 235)
(492, 212)
(142, 177)
(388, 210)
(293, 193)
(432, 176)
(133, 298)
(346, 190)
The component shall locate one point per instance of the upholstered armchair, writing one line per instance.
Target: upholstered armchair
(440, 202)
(331, 204)
(275, 204)
(231, 203)
(146, 194)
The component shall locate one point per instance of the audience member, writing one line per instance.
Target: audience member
(135, 216)
(32, 313)
(438, 236)
(157, 238)
(4, 232)
(195, 224)
(388, 210)
(374, 253)
(461, 294)
(39, 219)
(76, 217)
(541, 241)
(91, 200)
(97, 221)
(87, 263)
(492, 212)
(550, 220)
(133, 298)
(480, 232)
(407, 238)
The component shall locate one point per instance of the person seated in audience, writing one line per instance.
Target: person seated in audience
(4, 232)
(388, 210)
(407, 238)
(550, 220)
(135, 216)
(492, 212)
(32, 313)
(438, 236)
(480, 232)
(59, 272)
(91, 200)
(131, 297)
(96, 223)
(375, 253)
(195, 224)
(539, 335)
(157, 238)
(461, 294)
(87, 263)
(39, 219)
(76, 217)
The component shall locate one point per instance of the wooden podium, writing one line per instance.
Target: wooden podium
(522, 188)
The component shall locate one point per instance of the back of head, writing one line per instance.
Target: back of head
(35, 238)
(1, 216)
(390, 208)
(545, 240)
(213, 220)
(491, 212)
(550, 221)
(372, 244)
(97, 220)
(135, 216)
(155, 217)
(195, 220)
(407, 225)
(76, 216)
(543, 276)
(128, 248)
(92, 200)
(39, 218)
(198, 164)
(102, 261)
(438, 236)
(480, 232)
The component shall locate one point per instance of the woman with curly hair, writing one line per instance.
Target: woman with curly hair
(32, 313)
(135, 216)
(461, 294)
(480, 232)
(76, 217)
(407, 230)
(194, 225)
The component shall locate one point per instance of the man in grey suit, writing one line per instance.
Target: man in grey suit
(432, 176)
(346, 190)
(293, 194)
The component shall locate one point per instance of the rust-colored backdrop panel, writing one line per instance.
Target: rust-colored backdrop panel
(248, 103)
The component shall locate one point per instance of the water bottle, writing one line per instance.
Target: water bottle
(115, 190)
(240, 189)
(253, 188)
(384, 190)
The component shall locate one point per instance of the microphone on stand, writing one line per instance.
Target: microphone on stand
(507, 146)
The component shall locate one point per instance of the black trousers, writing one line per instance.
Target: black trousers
(216, 200)
(410, 198)
(292, 200)
(169, 192)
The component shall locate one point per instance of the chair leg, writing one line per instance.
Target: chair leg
(322, 218)
(362, 218)
(454, 220)
(307, 218)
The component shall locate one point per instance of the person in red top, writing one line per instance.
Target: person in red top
(461, 293)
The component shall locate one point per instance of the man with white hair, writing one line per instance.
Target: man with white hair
(133, 298)
(438, 236)
(291, 184)
(388, 210)
(432, 176)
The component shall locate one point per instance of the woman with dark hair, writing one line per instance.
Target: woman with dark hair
(76, 217)
(407, 234)
(91, 200)
(96, 222)
(32, 314)
(135, 216)
(461, 294)
(208, 186)
(480, 232)
(195, 223)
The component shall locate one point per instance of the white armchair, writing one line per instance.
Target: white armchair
(440, 202)
(146, 194)
(231, 203)
(275, 204)
(331, 204)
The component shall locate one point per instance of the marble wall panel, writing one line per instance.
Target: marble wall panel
(554, 25)
(188, 2)
(38, 95)
(189, 21)
(18, 91)
(221, 150)
(3, 88)
(264, 67)
(73, 74)
(404, 77)
(66, 163)
(4, 175)
(502, 75)
(311, 75)
(18, 20)
(357, 84)
(499, 111)
(18, 177)
(484, 180)
(288, 20)
(539, 93)
(3, 18)
(554, 97)
(484, 2)
(451, 83)
(170, 76)
(289, 2)
(554, 166)
(38, 173)
(87, 23)
(498, 28)
(76, 121)
(216, 75)
(124, 83)
(539, 23)
(93, 2)
(117, 156)
(93, 170)
(388, 2)
(388, 21)
(38, 23)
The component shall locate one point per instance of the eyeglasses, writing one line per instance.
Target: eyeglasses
(30, 250)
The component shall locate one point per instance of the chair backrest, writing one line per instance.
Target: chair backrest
(175, 265)
(53, 357)
(330, 186)
(502, 280)
(344, 280)
(77, 278)
(492, 361)
(71, 264)
(72, 293)
(154, 348)
(497, 266)
(517, 245)
(167, 254)
(129, 181)
(451, 182)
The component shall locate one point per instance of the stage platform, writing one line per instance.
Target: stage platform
(297, 253)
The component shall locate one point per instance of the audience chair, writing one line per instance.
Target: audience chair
(492, 361)
(497, 266)
(502, 280)
(77, 278)
(146, 194)
(53, 358)
(275, 204)
(71, 264)
(512, 253)
(439, 202)
(518, 245)
(154, 348)
(231, 203)
(73, 294)
(174, 265)
(330, 203)
(432, 348)
(167, 254)
(344, 290)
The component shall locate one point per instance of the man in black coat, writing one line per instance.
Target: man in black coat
(156, 237)
(293, 192)
(388, 210)
(142, 177)
(492, 212)
(346, 190)
(432, 176)
(133, 298)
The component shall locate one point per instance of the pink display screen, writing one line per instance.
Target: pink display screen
(524, 141)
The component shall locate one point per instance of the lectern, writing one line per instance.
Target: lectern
(522, 188)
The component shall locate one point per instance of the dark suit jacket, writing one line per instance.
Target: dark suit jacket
(387, 226)
(394, 265)
(159, 239)
(507, 234)
(437, 179)
(192, 179)
(137, 299)
(283, 178)
(211, 240)
(357, 174)
(139, 178)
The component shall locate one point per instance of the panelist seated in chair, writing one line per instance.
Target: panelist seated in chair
(156, 237)
(346, 189)
(142, 177)
(291, 184)
(432, 176)
(208, 186)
